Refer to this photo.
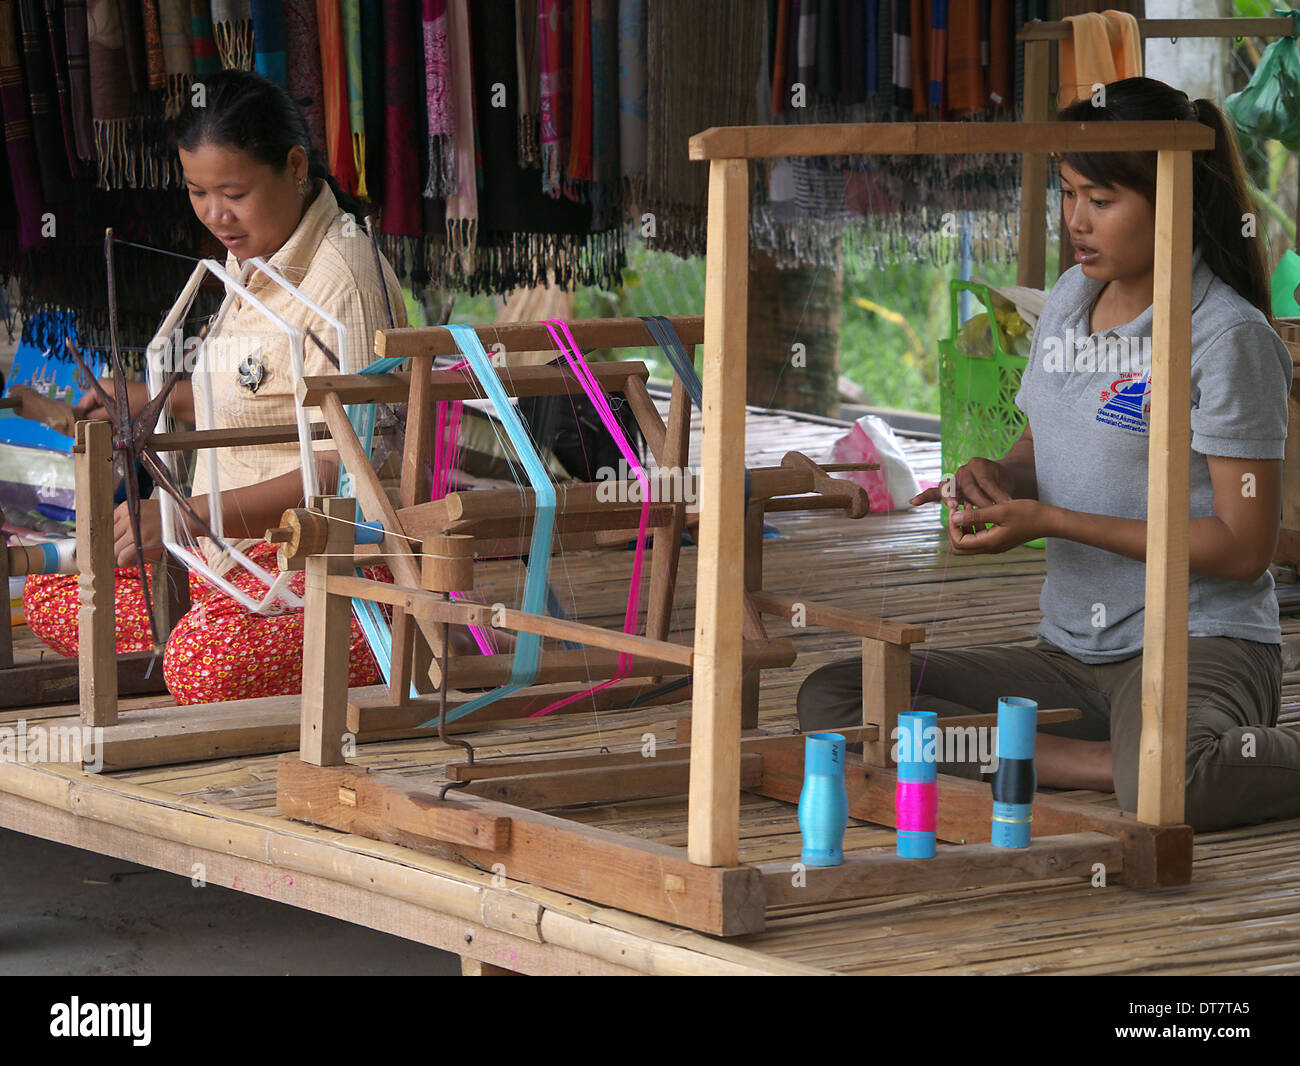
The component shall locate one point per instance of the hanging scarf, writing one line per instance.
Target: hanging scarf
(555, 54)
(338, 138)
(77, 36)
(1001, 58)
(902, 54)
(356, 90)
(46, 130)
(527, 76)
(402, 206)
(884, 29)
(232, 28)
(441, 182)
(936, 83)
(462, 207)
(153, 46)
(206, 60)
(303, 58)
(965, 74)
(605, 197)
(826, 51)
(695, 86)
(857, 53)
(632, 98)
(177, 54)
(131, 17)
(579, 166)
(110, 98)
(54, 37)
(19, 148)
(372, 77)
(269, 56)
(780, 56)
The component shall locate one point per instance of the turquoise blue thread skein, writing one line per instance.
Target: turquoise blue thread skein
(823, 801)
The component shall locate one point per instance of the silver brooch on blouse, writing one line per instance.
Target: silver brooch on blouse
(252, 373)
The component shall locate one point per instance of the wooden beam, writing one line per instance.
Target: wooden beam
(626, 872)
(1163, 753)
(714, 819)
(952, 869)
(819, 614)
(617, 783)
(590, 333)
(943, 138)
(1153, 855)
(429, 605)
(237, 437)
(461, 385)
(97, 613)
(326, 640)
(886, 691)
(1031, 263)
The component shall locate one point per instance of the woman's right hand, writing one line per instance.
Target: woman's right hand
(982, 482)
(89, 409)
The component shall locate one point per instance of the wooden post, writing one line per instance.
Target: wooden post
(97, 615)
(1031, 265)
(1163, 753)
(714, 819)
(327, 636)
(886, 684)
(411, 654)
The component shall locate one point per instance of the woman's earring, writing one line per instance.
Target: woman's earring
(302, 188)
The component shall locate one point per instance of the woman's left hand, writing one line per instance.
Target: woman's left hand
(1011, 524)
(124, 552)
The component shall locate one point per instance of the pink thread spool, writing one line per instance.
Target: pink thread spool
(916, 794)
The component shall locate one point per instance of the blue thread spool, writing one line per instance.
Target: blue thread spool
(824, 801)
(916, 795)
(1015, 778)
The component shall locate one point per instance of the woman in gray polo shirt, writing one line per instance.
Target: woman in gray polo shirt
(1077, 476)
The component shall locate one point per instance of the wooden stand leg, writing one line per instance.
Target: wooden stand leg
(1163, 753)
(327, 636)
(886, 679)
(714, 820)
(97, 615)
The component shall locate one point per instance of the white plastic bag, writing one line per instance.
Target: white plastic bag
(872, 441)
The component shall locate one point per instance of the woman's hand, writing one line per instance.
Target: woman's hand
(89, 409)
(982, 482)
(124, 552)
(1010, 524)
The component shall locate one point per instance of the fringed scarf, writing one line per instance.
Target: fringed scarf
(202, 45)
(1001, 59)
(441, 181)
(462, 207)
(338, 137)
(356, 90)
(302, 52)
(527, 76)
(110, 98)
(46, 129)
(372, 75)
(857, 54)
(605, 192)
(232, 28)
(936, 83)
(555, 57)
(19, 148)
(177, 53)
(632, 129)
(153, 45)
(76, 34)
(579, 167)
(403, 210)
(696, 85)
(779, 29)
(54, 35)
(268, 40)
(967, 44)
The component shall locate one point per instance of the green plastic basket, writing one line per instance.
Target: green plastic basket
(977, 394)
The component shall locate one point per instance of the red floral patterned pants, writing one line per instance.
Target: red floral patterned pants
(219, 650)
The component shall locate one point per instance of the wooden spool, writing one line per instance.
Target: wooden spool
(301, 533)
(448, 564)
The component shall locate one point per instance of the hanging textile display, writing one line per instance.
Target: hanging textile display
(527, 77)
(46, 127)
(632, 129)
(695, 85)
(338, 137)
(441, 181)
(269, 49)
(232, 29)
(19, 148)
(302, 52)
(351, 11)
(177, 54)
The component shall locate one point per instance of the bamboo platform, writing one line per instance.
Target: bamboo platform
(1240, 914)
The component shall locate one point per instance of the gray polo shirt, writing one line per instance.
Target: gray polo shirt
(1088, 403)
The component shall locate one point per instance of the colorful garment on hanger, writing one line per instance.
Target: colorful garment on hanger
(1104, 47)
(269, 47)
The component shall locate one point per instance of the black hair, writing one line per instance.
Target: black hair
(1220, 198)
(241, 109)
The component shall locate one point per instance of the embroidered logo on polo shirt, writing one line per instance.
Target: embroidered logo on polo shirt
(1127, 403)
